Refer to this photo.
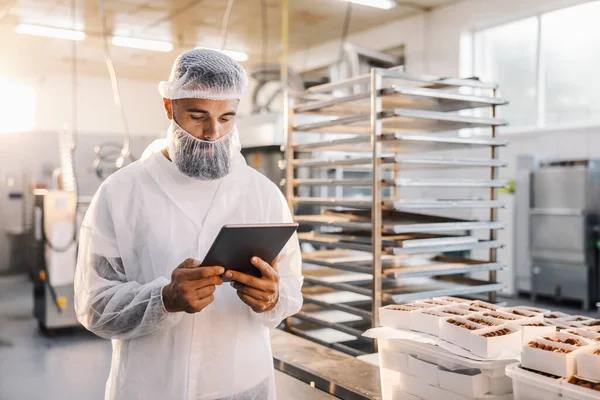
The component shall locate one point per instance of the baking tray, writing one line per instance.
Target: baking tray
(405, 163)
(344, 242)
(402, 182)
(401, 205)
(400, 120)
(400, 143)
(340, 221)
(429, 81)
(403, 266)
(417, 288)
(400, 97)
(442, 286)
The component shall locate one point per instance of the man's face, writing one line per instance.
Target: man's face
(204, 119)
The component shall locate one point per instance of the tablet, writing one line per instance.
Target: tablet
(235, 246)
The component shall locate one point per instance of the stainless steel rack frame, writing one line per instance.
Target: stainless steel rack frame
(366, 246)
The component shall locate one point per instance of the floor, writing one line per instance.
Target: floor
(72, 364)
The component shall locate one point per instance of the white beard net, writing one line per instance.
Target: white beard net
(196, 158)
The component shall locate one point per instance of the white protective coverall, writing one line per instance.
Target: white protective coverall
(143, 222)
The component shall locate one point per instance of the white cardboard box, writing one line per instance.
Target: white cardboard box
(427, 321)
(423, 370)
(487, 321)
(393, 360)
(504, 316)
(593, 323)
(587, 333)
(434, 302)
(487, 306)
(456, 300)
(495, 346)
(414, 386)
(501, 385)
(396, 316)
(454, 310)
(441, 394)
(588, 364)
(528, 385)
(529, 333)
(534, 309)
(456, 334)
(399, 394)
(531, 315)
(466, 382)
(574, 320)
(558, 364)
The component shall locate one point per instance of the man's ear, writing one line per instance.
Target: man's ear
(168, 104)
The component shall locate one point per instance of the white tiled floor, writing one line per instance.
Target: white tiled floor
(73, 365)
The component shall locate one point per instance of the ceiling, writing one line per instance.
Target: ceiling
(186, 23)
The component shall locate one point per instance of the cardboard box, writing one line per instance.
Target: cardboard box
(574, 320)
(389, 380)
(529, 333)
(434, 302)
(534, 309)
(455, 311)
(399, 394)
(469, 382)
(457, 335)
(504, 316)
(588, 364)
(555, 315)
(454, 300)
(531, 315)
(480, 319)
(427, 321)
(414, 386)
(486, 305)
(423, 370)
(587, 333)
(393, 360)
(559, 364)
(501, 385)
(441, 394)
(529, 385)
(396, 316)
(590, 323)
(495, 346)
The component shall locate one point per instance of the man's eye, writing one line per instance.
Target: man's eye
(197, 118)
(225, 119)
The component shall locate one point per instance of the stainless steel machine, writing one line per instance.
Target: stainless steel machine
(54, 252)
(563, 198)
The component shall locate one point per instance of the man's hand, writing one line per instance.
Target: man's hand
(261, 294)
(192, 287)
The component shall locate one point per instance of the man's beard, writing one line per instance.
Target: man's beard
(198, 158)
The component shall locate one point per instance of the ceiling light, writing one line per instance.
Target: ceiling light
(385, 4)
(143, 44)
(50, 32)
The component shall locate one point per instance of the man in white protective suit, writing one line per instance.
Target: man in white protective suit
(177, 332)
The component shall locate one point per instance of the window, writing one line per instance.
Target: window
(545, 66)
(17, 107)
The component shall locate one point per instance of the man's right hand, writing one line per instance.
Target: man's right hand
(192, 287)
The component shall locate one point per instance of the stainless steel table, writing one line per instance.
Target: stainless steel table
(290, 388)
(332, 371)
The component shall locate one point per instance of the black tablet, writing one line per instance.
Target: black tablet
(235, 246)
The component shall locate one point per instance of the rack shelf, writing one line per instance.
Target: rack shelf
(399, 142)
(400, 119)
(380, 248)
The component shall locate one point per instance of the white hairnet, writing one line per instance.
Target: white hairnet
(204, 74)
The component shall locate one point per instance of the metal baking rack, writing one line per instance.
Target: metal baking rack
(383, 247)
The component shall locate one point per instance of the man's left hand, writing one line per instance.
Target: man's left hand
(261, 294)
